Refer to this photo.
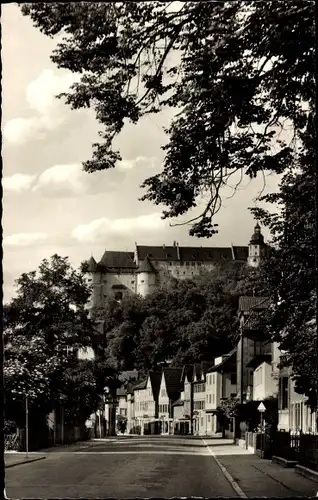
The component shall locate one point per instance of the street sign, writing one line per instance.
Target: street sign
(261, 407)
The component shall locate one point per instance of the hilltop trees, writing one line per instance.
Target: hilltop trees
(191, 321)
(237, 74)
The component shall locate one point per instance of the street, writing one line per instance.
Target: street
(154, 466)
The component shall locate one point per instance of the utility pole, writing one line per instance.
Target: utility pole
(26, 426)
(242, 365)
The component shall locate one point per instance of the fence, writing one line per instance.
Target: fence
(302, 448)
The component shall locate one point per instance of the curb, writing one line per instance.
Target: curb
(24, 462)
(284, 462)
(308, 473)
(228, 476)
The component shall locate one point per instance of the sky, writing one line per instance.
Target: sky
(49, 204)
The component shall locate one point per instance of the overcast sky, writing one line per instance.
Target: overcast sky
(50, 205)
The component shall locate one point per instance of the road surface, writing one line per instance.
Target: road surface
(154, 466)
(124, 468)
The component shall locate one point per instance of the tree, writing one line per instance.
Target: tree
(291, 272)
(236, 74)
(44, 327)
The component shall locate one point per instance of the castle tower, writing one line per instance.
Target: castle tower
(146, 277)
(256, 248)
(95, 279)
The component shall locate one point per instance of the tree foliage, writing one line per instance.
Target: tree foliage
(291, 272)
(236, 74)
(191, 321)
(44, 327)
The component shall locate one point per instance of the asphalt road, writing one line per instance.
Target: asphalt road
(123, 468)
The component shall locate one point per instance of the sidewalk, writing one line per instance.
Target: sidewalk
(259, 477)
(13, 459)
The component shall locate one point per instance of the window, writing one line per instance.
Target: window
(210, 398)
(142, 281)
(132, 282)
(202, 421)
(233, 379)
(213, 399)
(193, 263)
(118, 295)
(199, 263)
(123, 412)
(187, 264)
(283, 393)
(213, 378)
(170, 263)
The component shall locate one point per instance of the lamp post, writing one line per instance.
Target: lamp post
(261, 408)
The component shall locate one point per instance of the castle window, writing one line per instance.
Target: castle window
(255, 247)
(199, 264)
(142, 281)
(187, 264)
(193, 263)
(254, 260)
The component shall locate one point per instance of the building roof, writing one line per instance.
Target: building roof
(226, 364)
(142, 384)
(246, 303)
(258, 360)
(157, 252)
(179, 402)
(114, 259)
(189, 254)
(92, 265)
(257, 237)
(155, 380)
(173, 380)
(146, 266)
(200, 369)
(187, 371)
(205, 254)
(240, 253)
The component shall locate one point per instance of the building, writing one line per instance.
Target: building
(146, 395)
(170, 390)
(220, 384)
(253, 344)
(199, 397)
(149, 267)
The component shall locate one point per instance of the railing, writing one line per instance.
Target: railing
(302, 448)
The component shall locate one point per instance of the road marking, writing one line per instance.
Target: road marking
(228, 476)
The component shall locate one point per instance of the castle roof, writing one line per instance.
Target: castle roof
(92, 265)
(146, 266)
(257, 237)
(188, 254)
(114, 259)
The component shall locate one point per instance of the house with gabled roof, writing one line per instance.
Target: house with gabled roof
(146, 395)
(198, 382)
(220, 384)
(254, 349)
(170, 389)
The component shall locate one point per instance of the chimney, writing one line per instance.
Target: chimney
(178, 251)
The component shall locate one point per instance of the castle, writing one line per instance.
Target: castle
(149, 267)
